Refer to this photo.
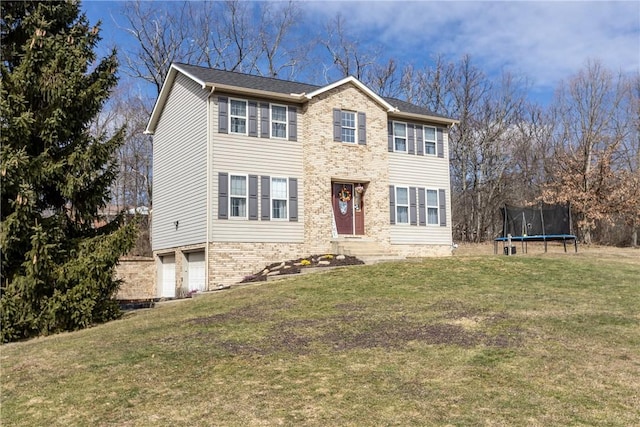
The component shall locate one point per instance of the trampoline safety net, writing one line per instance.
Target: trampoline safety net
(536, 220)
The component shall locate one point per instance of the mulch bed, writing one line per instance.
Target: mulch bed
(297, 265)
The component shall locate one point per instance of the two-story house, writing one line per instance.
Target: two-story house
(251, 170)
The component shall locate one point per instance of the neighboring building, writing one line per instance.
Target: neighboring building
(252, 170)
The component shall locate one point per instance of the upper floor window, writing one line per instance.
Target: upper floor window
(238, 116)
(238, 196)
(278, 121)
(432, 207)
(348, 123)
(430, 140)
(402, 205)
(399, 136)
(279, 198)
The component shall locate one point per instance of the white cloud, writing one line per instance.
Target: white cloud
(546, 41)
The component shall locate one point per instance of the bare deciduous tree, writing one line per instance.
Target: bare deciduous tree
(348, 58)
(590, 128)
(481, 145)
(216, 34)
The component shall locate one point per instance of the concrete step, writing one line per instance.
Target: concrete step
(363, 248)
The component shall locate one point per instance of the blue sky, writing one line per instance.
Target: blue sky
(544, 41)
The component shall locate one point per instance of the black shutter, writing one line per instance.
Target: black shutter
(362, 129)
(253, 197)
(390, 137)
(265, 198)
(422, 209)
(293, 124)
(419, 141)
(440, 142)
(337, 125)
(293, 199)
(264, 120)
(413, 213)
(392, 204)
(223, 195)
(253, 118)
(223, 121)
(443, 208)
(410, 142)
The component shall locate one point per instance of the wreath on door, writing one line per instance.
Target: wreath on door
(344, 195)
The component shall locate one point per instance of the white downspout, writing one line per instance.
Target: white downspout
(208, 212)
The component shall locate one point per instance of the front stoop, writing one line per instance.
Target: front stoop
(367, 250)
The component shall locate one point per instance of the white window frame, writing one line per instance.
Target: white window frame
(354, 128)
(434, 140)
(286, 198)
(398, 205)
(285, 122)
(245, 117)
(245, 197)
(436, 206)
(405, 137)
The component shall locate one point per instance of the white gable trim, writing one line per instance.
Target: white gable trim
(350, 79)
(164, 94)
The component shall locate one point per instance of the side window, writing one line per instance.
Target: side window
(238, 196)
(279, 198)
(430, 140)
(278, 121)
(348, 125)
(432, 207)
(402, 205)
(400, 137)
(238, 117)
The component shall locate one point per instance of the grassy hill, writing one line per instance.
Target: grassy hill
(490, 340)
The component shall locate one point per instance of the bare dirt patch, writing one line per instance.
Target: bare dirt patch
(355, 327)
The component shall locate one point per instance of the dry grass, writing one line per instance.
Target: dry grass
(476, 339)
(630, 255)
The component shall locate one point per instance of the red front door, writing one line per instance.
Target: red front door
(342, 195)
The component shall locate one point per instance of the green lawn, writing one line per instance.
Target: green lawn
(461, 341)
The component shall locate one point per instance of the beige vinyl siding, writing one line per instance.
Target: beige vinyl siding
(427, 172)
(246, 155)
(179, 167)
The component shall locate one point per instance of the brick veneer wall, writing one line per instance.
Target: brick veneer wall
(326, 160)
(230, 262)
(139, 276)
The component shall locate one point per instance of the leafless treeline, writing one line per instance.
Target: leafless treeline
(583, 148)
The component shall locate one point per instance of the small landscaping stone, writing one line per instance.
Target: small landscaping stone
(295, 266)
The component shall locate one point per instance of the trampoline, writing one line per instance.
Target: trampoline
(545, 223)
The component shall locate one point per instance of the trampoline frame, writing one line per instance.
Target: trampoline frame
(539, 238)
(507, 239)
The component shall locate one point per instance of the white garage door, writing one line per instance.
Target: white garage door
(195, 271)
(167, 277)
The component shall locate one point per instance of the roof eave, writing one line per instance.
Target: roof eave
(291, 97)
(425, 117)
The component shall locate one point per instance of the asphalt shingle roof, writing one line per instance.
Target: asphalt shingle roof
(270, 84)
(232, 78)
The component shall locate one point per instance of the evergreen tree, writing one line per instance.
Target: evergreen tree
(57, 256)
